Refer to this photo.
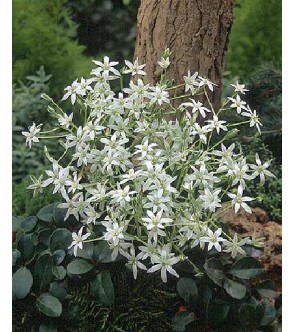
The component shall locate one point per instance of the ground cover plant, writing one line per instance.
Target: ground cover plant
(142, 183)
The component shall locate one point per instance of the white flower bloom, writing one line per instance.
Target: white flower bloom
(196, 107)
(31, 135)
(238, 200)
(159, 95)
(191, 82)
(260, 169)
(210, 199)
(206, 82)
(78, 240)
(235, 246)
(238, 103)
(133, 261)
(164, 63)
(71, 92)
(164, 262)
(114, 232)
(155, 224)
(106, 67)
(36, 185)
(65, 120)
(239, 88)
(254, 119)
(213, 239)
(120, 195)
(217, 124)
(135, 68)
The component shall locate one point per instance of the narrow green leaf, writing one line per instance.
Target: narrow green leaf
(234, 289)
(187, 288)
(104, 289)
(49, 305)
(22, 281)
(246, 268)
(79, 266)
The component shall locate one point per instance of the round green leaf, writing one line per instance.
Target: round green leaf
(60, 239)
(267, 288)
(246, 268)
(234, 289)
(187, 288)
(49, 305)
(15, 256)
(46, 213)
(181, 319)
(247, 314)
(102, 252)
(58, 256)
(218, 311)
(16, 222)
(58, 290)
(86, 252)
(269, 313)
(29, 223)
(43, 271)
(59, 272)
(47, 328)
(79, 266)
(22, 281)
(214, 270)
(44, 236)
(59, 214)
(26, 246)
(104, 289)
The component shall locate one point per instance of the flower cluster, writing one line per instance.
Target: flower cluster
(153, 175)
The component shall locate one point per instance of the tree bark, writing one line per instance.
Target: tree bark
(196, 31)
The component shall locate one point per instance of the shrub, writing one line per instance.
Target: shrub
(43, 34)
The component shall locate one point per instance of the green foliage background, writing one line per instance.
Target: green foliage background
(43, 33)
(256, 36)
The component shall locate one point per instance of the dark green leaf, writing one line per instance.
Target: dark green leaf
(16, 222)
(44, 236)
(61, 239)
(86, 252)
(214, 270)
(22, 281)
(58, 256)
(247, 314)
(102, 252)
(58, 290)
(206, 294)
(59, 214)
(79, 266)
(47, 328)
(43, 271)
(49, 305)
(278, 305)
(269, 313)
(246, 268)
(59, 272)
(15, 256)
(181, 319)
(29, 223)
(267, 288)
(104, 289)
(46, 213)
(26, 247)
(218, 311)
(187, 288)
(234, 289)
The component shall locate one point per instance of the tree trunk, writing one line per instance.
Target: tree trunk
(196, 31)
